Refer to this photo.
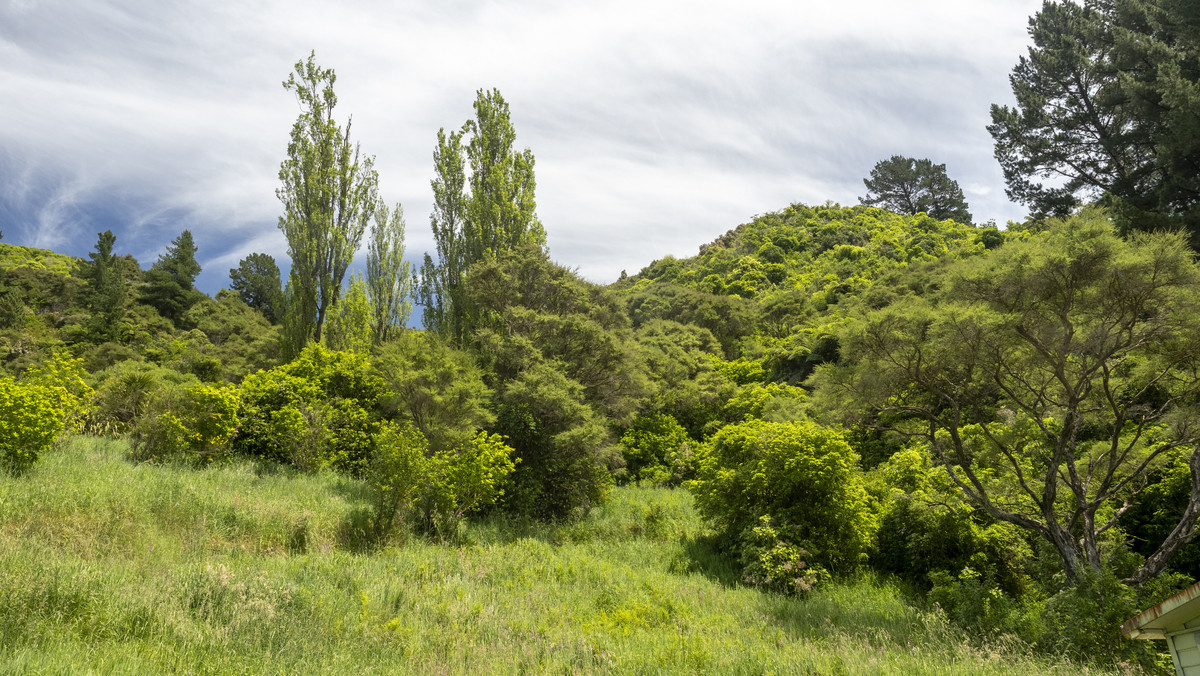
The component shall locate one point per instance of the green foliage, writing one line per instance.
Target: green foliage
(187, 352)
(239, 338)
(13, 256)
(256, 280)
(534, 310)
(29, 422)
(1107, 100)
(775, 402)
(911, 186)
(563, 445)
(196, 422)
(1058, 365)
(106, 287)
(655, 449)
(328, 193)
(728, 319)
(169, 281)
(478, 472)
(396, 474)
(407, 479)
(495, 215)
(349, 323)
(1083, 621)
(319, 410)
(124, 391)
(771, 562)
(800, 474)
(246, 556)
(390, 281)
(63, 378)
(435, 387)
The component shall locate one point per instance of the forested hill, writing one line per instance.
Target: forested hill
(787, 278)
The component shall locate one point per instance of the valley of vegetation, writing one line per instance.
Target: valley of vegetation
(838, 440)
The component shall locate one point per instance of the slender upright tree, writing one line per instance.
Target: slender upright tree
(329, 191)
(495, 214)
(389, 276)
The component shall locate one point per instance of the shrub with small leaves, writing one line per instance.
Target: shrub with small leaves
(63, 377)
(799, 473)
(30, 421)
(197, 422)
(649, 443)
(396, 473)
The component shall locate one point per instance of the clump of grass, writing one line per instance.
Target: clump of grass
(111, 567)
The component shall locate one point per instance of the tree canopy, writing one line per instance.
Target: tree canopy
(910, 186)
(476, 215)
(1050, 379)
(329, 191)
(1107, 107)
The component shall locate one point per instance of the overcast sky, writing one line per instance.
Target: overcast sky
(657, 125)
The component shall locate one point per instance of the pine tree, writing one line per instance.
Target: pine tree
(169, 282)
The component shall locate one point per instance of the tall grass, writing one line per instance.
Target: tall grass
(110, 567)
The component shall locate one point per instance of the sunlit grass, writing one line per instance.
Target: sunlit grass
(111, 567)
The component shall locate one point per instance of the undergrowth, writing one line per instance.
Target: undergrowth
(112, 567)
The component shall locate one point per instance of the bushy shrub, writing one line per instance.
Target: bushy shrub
(773, 562)
(196, 422)
(319, 410)
(29, 422)
(63, 378)
(123, 394)
(653, 443)
(564, 446)
(407, 480)
(804, 476)
(926, 528)
(395, 475)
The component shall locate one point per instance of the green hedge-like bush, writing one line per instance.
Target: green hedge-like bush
(319, 410)
(803, 476)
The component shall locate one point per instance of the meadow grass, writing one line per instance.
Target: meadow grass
(112, 567)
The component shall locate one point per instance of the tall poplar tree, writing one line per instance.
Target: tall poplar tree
(476, 216)
(329, 191)
(389, 276)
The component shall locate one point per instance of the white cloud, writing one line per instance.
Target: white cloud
(657, 124)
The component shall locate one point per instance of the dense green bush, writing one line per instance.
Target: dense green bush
(657, 448)
(319, 410)
(63, 377)
(564, 446)
(197, 422)
(802, 475)
(407, 480)
(434, 386)
(124, 392)
(29, 422)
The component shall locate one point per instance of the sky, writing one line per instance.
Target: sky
(657, 125)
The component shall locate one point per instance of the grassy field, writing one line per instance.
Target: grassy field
(111, 567)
